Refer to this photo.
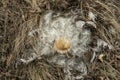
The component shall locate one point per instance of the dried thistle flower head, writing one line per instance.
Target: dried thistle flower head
(67, 33)
(62, 45)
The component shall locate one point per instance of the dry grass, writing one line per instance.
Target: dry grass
(18, 17)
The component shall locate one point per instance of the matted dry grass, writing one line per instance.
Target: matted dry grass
(18, 17)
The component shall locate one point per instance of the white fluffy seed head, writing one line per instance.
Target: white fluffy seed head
(62, 34)
(66, 36)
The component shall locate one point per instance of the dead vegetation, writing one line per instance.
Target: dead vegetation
(18, 17)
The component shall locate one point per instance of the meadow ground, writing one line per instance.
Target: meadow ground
(14, 18)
